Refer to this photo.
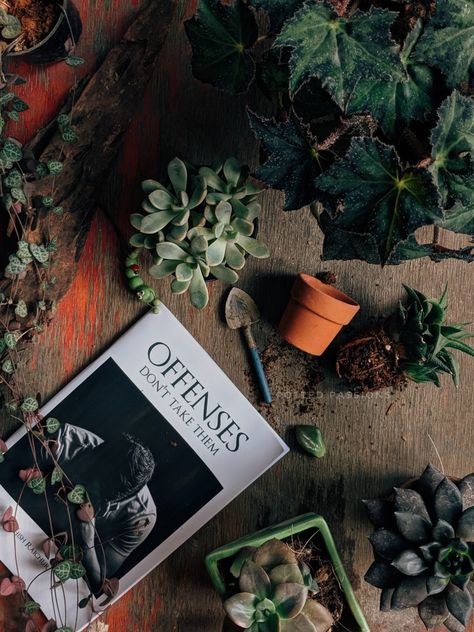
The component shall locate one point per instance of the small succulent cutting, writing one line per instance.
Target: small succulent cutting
(276, 592)
(424, 549)
(415, 343)
(198, 226)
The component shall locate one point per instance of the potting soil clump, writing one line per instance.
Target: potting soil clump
(37, 18)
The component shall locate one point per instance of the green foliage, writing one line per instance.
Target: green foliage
(199, 225)
(29, 405)
(52, 425)
(276, 592)
(310, 438)
(401, 87)
(427, 341)
(221, 36)
(37, 484)
(11, 26)
(68, 569)
(78, 495)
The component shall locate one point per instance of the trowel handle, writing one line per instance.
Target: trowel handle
(257, 365)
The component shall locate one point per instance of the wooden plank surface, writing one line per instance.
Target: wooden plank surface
(374, 442)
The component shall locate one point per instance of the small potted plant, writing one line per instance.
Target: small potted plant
(414, 343)
(315, 314)
(41, 30)
(197, 226)
(285, 578)
(424, 549)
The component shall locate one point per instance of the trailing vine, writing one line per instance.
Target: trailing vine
(21, 320)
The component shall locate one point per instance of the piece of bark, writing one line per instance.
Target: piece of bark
(104, 108)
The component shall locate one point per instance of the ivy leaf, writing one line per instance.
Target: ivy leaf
(448, 41)
(395, 103)
(340, 51)
(221, 36)
(278, 10)
(293, 161)
(453, 168)
(383, 204)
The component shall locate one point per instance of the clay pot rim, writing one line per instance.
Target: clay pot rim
(62, 4)
(327, 290)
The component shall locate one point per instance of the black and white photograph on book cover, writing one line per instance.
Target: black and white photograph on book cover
(143, 480)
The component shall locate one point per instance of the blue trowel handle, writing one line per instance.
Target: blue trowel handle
(257, 365)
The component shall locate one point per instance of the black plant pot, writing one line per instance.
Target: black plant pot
(59, 41)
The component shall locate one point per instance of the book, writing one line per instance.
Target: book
(156, 438)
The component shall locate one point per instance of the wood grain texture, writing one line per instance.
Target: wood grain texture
(374, 442)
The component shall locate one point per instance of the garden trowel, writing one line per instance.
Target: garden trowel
(241, 313)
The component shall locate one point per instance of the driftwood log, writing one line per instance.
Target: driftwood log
(104, 107)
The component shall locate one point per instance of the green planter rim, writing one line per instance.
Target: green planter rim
(281, 531)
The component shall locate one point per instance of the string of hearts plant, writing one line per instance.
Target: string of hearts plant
(20, 322)
(374, 124)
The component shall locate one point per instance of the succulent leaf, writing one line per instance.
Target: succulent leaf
(410, 592)
(289, 599)
(411, 501)
(240, 609)
(387, 543)
(443, 531)
(433, 611)
(413, 527)
(465, 528)
(382, 575)
(466, 487)
(274, 553)
(448, 501)
(410, 563)
(253, 579)
(198, 290)
(286, 573)
(178, 175)
(459, 604)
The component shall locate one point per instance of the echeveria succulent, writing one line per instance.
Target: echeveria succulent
(199, 226)
(170, 206)
(276, 592)
(424, 549)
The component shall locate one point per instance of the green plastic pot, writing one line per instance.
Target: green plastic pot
(282, 531)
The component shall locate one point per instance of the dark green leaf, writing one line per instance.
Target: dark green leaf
(339, 51)
(448, 501)
(443, 531)
(413, 527)
(409, 563)
(63, 570)
(37, 485)
(221, 36)
(459, 604)
(448, 40)
(395, 103)
(78, 495)
(465, 528)
(411, 592)
(310, 438)
(380, 199)
(433, 611)
(293, 160)
(382, 575)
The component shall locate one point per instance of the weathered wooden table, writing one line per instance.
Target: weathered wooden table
(373, 442)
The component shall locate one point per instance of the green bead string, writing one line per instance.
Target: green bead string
(142, 291)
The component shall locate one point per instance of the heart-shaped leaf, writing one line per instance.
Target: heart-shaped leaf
(52, 425)
(78, 495)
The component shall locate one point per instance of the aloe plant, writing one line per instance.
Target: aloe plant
(424, 549)
(197, 227)
(277, 592)
(375, 114)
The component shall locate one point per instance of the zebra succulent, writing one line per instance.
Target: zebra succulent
(276, 592)
(424, 549)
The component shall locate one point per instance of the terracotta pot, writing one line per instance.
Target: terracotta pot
(56, 45)
(315, 314)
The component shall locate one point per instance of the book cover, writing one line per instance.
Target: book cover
(160, 439)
